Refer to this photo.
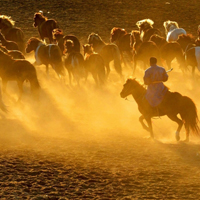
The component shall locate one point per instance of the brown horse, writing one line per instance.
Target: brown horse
(20, 71)
(10, 45)
(46, 54)
(94, 64)
(172, 105)
(12, 33)
(146, 29)
(123, 40)
(143, 50)
(185, 41)
(61, 38)
(13, 53)
(74, 63)
(45, 26)
(109, 52)
(169, 51)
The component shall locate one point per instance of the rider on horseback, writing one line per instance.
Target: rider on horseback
(154, 78)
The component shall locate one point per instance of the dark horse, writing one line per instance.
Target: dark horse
(11, 32)
(74, 63)
(146, 29)
(109, 52)
(94, 64)
(45, 26)
(13, 53)
(46, 54)
(169, 51)
(20, 71)
(172, 105)
(10, 45)
(60, 38)
(122, 39)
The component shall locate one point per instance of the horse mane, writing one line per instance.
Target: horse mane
(39, 15)
(96, 36)
(135, 33)
(187, 36)
(145, 23)
(116, 30)
(136, 83)
(170, 24)
(7, 21)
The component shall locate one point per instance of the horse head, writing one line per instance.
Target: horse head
(128, 87)
(6, 22)
(38, 19)
(87, 49)
(69, 46)
(32, 44)
(117, 33)
(94, 38)
(170, 25)
(144, 24)
(57, 34)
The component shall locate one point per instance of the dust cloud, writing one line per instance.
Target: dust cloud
(84, 113)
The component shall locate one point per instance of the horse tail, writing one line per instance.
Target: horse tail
(189, 115)
(117, 59)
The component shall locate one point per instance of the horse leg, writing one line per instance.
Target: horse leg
(107, 69)
(4, 85)
(187, 132)
(149, 127)
(180, 124)
(47, 69)
(20, 86)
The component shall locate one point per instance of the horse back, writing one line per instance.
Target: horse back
(47, 27)
(15, 34)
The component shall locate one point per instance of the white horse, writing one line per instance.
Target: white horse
(172, 30)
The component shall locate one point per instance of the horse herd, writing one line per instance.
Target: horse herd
(63, 52)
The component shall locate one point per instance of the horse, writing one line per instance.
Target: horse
(12, 33)
(172, 30)
(146, 29)
(169, 51)
(172, 105)
(143, 51)
(2, 105)
(109, 52)
(13, 53)
(47, 54)
(94, 64)
(122, 39)
(45, 26)
(61, 38)
(186, 41)
(20, 71)
(74, 63)
(10, 45)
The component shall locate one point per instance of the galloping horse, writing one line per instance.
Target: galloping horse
(146, 29)
(74, 63)
(172, 30)
(12, 33)
(18, 70)
(172, 105)
(143, 50)
(169, 51)
(109, 52)
(46, 54)
(94, 64)
(45, 26)
(123, 40)
(61, 38)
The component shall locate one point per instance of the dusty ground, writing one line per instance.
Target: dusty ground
(87, 143)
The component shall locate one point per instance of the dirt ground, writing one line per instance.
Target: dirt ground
(87, 143)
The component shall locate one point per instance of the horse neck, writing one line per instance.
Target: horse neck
(99, 45)
(138, 94)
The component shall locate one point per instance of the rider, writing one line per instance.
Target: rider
(154, 77)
